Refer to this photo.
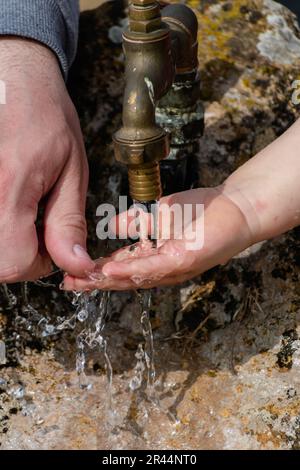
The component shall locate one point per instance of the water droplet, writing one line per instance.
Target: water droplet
(2, 353)
(3, 384)
(48, 330)
(17, 392)
(82, 315)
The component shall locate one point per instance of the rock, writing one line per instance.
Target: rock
(280, 43)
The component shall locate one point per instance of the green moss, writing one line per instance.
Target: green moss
(217, 29)
(213, 40)
(246, 82)
(250, 102)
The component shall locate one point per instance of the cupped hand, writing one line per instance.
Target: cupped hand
(42, 159)
(179, 257)
(259, 201)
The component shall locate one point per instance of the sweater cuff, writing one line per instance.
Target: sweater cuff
(42, 21)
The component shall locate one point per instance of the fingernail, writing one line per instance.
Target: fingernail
(107, 271)
(96, 276)
(81, 253)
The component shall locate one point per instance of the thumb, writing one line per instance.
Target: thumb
(65, 224)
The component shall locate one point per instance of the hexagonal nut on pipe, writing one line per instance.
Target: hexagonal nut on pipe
(143, 3)
(145, 26)
(139, 153)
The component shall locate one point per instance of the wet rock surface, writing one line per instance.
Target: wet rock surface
(227, 344)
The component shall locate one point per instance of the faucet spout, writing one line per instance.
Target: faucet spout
(153, 50)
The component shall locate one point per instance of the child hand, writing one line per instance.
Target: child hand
(258, 201)
(175, 260)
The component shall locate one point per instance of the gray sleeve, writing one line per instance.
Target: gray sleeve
(51, 22)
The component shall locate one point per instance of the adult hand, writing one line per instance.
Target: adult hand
(42, 158)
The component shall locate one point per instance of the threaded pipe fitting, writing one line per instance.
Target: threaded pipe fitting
(145, 182)
(144, 18)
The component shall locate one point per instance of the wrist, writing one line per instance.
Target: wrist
(18, 53)
(266, 187)
(44, 22)
(240, 196)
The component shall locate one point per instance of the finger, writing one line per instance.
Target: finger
(20, 258)
(87, 285)
(162, 222)
(138, 222)
(155, 269)
(171, 259)
(65, 224)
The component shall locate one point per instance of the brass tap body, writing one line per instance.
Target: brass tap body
(156, 51)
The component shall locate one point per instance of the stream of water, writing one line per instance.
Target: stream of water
(146, 352)
(91, 310)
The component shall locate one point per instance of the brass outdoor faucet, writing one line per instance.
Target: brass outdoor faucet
(161, 56)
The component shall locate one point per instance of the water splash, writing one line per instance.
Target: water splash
(88, 320)
(2, 353)
(145, 353)
(81, 363)
(137, 379)
(11, 299)
(144, 381)
(144, 371)
(151, 208)
(92, 310)
(146, 302)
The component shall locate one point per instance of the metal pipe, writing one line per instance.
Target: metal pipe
(157, 49)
